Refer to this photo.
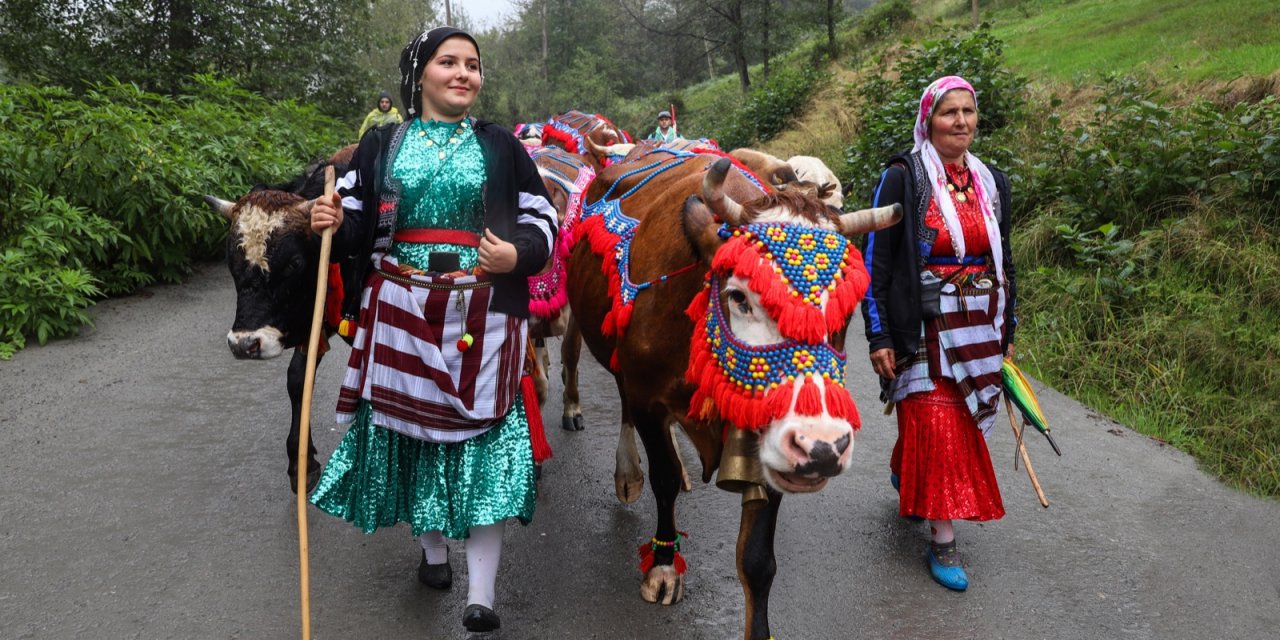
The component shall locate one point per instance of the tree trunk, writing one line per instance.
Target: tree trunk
(737, 45)
(181, 43)
(448, 13)
(831, 28)
(765, 36)
(706, 48)
(544, 40)
(973, 5)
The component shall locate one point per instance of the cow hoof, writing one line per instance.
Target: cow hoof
(313, 478)
(662, 585)
(628, 489)
(573, 423)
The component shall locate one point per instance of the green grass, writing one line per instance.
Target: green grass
(1187, 40)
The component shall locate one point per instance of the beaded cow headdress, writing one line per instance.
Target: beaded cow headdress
(809, 281)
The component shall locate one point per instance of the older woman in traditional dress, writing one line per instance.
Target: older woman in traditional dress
(939, 318)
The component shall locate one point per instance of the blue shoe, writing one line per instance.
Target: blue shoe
(893, 480)
(946, 566)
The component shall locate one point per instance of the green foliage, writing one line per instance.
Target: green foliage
(102, 192)
(891, 104)
(44, 284)
(1154, 294)
(885, 18)
(767, 110)
(1135, 160)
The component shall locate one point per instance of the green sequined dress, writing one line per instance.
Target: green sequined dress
(378, 477)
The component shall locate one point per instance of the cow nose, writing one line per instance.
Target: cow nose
(246, 347)
(820, 457)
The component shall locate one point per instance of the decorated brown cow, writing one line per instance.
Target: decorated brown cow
(729, 320)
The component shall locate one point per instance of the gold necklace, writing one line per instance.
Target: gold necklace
(957, 190)
(455, 139)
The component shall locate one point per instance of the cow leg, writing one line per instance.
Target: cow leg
(540, 365)
(570, 352)
(756, 562)
(628, 476)
(295, 381)
(684, 471)
(662, 583)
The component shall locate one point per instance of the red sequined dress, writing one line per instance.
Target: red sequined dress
(941, 457)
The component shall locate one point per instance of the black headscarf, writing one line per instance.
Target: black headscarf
(415, 57)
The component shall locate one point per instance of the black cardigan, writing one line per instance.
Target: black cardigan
(896, 255)
(512, 180)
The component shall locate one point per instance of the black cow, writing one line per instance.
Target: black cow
(273, 257)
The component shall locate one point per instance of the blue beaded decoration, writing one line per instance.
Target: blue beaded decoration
(759, 369)
(811, 260)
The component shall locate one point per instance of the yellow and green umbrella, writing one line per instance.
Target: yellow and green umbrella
(1018, 390)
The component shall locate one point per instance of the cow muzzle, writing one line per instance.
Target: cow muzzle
(801, 454)
(260, 344)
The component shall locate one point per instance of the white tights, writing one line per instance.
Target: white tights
(484, 551)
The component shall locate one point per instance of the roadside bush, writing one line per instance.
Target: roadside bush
(768, 109)
(884, 19)
(1136, 161)
(101, 191)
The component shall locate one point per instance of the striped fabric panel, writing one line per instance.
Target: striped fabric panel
(411, 371)
(545, 219)
(964, 346)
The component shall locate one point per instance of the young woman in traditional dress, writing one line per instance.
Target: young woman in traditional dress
(939, 317)
(440, 223)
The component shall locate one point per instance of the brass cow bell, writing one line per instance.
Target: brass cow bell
(740, 469)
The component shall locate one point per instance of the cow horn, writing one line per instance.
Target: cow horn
(221, 206)
(713, 194)
(865, 220)
(596, 150)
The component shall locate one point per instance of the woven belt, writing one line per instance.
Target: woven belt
(438, 236)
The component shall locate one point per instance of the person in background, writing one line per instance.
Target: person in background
(384, 113)
(446, 217)
(939, 315)
(666, 129)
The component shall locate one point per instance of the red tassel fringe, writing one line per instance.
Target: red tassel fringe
(646, 560)
(333, 297)
(533, 411)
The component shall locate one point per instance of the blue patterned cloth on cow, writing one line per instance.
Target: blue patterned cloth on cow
(378, 477)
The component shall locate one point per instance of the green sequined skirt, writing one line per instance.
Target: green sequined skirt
(378, 477)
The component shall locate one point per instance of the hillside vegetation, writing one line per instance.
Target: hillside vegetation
(1143, 140)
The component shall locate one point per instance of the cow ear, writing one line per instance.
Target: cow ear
(701, 228)
(304, 207)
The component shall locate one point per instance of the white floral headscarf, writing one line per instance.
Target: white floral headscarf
(985, 185)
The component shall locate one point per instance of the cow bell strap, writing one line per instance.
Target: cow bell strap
(438, 236)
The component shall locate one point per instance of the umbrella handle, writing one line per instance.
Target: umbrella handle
(1022, 451)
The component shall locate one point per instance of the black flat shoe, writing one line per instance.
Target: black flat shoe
(479, 618)
(436, 576)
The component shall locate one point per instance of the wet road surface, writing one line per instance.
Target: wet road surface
(144, 496)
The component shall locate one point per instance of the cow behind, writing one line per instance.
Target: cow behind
(273, 257)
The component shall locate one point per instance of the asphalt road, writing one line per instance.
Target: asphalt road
(144, 496)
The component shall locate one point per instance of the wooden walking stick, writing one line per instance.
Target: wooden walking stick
(1022, 451)
(304, 427)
